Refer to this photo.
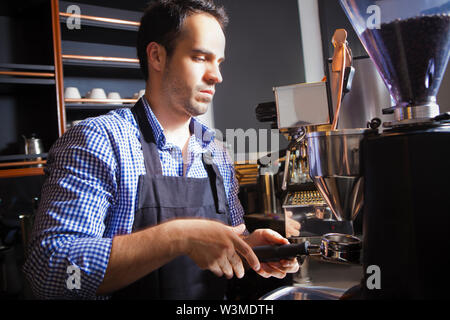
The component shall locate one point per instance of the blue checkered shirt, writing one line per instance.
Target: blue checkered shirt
(90, 195)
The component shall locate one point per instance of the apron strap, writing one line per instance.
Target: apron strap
(217, 185)
(152, 163)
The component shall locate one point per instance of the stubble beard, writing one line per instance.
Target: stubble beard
(195, 108)
(182, 97)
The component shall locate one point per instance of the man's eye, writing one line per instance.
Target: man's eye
(199, 59)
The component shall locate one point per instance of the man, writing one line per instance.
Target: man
(132, 202)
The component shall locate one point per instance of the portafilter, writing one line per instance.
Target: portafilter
(334, 246)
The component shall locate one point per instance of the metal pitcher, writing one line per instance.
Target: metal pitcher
(33, 145)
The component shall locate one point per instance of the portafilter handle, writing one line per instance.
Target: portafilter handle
(271, 253)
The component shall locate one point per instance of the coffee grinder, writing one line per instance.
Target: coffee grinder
(404, 163)
(395, 173)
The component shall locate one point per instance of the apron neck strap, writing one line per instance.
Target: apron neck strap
(216, 181)
(152, 163)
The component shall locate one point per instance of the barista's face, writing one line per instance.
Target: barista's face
(191, 73)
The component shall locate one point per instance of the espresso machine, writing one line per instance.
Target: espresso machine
(395, 173)
(302, 109)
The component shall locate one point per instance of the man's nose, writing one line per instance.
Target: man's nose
(214, 75)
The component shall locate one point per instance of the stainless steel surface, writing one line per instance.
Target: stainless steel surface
(302, 204)
(267, 185)
(431, 122)
(315, 270)
(341, 247)
(367, 97)
(416, 112)
(301, 105)
(304, 293)
(33, 145)
(318, 277)
(334, 167)
(335, 247)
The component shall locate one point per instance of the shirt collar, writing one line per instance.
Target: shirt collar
(203, 134)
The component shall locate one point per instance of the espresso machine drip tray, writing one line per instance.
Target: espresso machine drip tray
(304, 199)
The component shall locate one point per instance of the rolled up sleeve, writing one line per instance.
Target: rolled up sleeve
(68, 254)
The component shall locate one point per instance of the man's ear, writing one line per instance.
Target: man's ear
(156, 56)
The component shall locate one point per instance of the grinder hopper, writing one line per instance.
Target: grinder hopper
(409, 43)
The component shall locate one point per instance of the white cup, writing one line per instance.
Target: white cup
(139, 94)
(114, 96)
(72, 93)
(97, 93)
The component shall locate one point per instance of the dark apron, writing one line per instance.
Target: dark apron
(162, 198)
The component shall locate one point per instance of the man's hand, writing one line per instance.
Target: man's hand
(278, 269)
(292, 226)
(216, 247)
(211, 245)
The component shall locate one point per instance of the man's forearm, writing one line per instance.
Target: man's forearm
(137, 254)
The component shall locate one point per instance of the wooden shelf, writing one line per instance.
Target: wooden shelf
(22, 163)
(22, 172)
(16, 74)
(98, 61)
(9, 162)
(98, 104)
(102, 22)
(27, 74)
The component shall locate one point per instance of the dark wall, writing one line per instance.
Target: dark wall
(263, 50)
(333, 17)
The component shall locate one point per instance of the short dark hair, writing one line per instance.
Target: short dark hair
(162, 22)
